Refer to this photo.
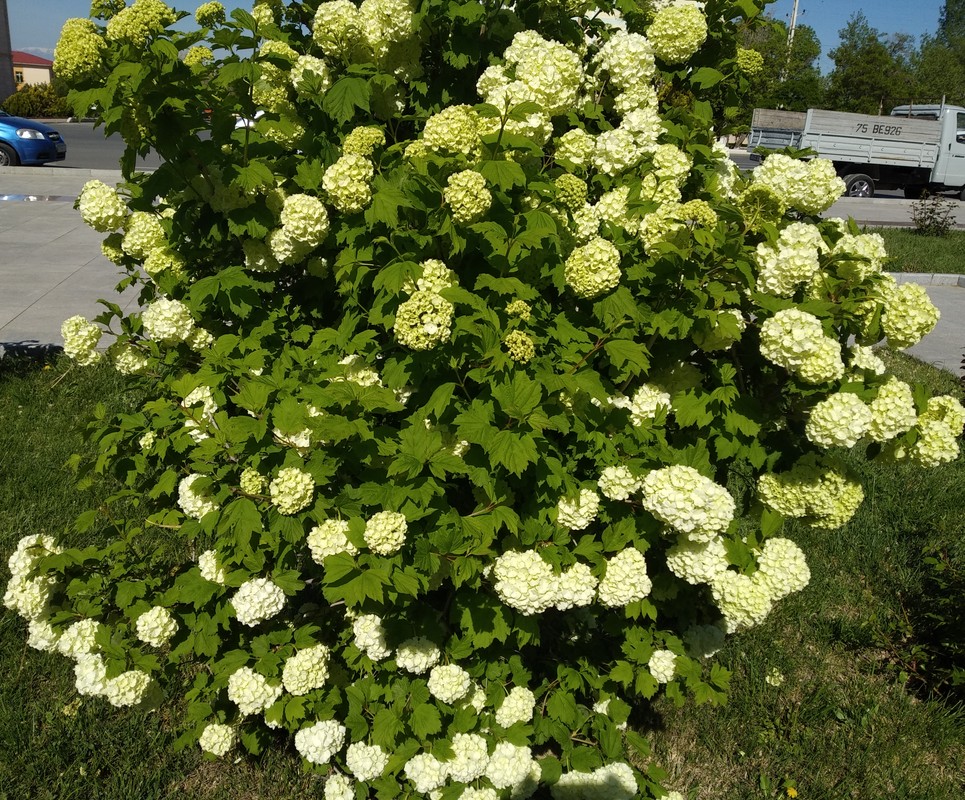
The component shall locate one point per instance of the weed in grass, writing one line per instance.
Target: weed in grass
(933, 215)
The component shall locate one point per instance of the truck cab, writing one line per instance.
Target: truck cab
(948, 172)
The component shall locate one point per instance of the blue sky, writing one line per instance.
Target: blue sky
(827, 17)
(36, 31)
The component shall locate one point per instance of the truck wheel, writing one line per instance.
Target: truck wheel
(859, 185)
(914, 192)
(8, 156)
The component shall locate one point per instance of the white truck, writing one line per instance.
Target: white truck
(915, 148)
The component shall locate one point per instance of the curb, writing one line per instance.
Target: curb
(929, 278)
(67, 172)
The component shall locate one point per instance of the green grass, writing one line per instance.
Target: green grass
(856, 717)
(913, 253)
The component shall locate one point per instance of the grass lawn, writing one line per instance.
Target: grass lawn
(913, 253)
(858, 714)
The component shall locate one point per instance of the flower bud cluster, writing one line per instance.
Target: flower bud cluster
(80, 51)
(210, 15)
(135, 24)
(423, 321)
(363, 141)
(520, 347)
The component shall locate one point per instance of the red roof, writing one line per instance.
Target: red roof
(22, 59)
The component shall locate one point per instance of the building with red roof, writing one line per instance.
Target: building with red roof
(28, 68)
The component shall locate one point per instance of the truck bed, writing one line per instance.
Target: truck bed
(865, 139)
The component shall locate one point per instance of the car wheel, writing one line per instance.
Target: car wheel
(859, 185)
(8, 156)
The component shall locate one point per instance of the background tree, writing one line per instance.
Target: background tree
(938, 72)
(792, 81)
(870, 74)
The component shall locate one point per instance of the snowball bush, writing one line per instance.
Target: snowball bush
(453, 353)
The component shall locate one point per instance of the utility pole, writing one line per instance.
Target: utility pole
(790, 41)
(7, 86)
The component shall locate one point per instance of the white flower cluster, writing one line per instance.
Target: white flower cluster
(793, 261)
(41, 635)
(209, 567)
(744, 601)
(688, 502)
(366, 761)
(385, 532)
(908, 315)
(310, 73)
(575, 587)
(814, 490)
(100, 207)
(839, 420)
(291, 490)
(618, 483)
(628, 58)
(29, 596)
(782, 568)
(128, 360)
(577, 147)
(330, 538)
(370, 636)
(892, 411)
(626, 579)
(467, 196)
(536, 70)
(348, 183)
(142, 234)
(306, 670)
(195, 503)
(417, 655)
(217, 739)
(525, 582)
(80, 340)
(470, 758)
(662, 665)
(647, 401)
(156, 626)
(593, 269)
(613, 782)
(939, 427)
(257, 600)
(677, 32)
(304, 225)
(435, 277)
(423, 321)
(453, 130)
(794, 339)
(251, 692)
(338, 786)
(864, 358)
(319, 742)
(200, 395)
(697, 562)
(337, 28)
(449, 683)
(577, 514)
(167, 321)
(860, 255)
(517, 706)
(512, 767)
(127, 689)
(79, 638)
(426, 772)
(808, 186)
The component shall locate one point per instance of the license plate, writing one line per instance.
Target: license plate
(61, 147)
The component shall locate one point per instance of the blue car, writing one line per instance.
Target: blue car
(23, 141)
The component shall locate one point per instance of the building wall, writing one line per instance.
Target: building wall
(6, 61)
(23, 75)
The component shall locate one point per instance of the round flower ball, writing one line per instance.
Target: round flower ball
(319, 742)
(292, 490)
(662, 665)
(424, 321)
(100, 207)
(677, 32)
(385, 532)
(257, 600)
(156, 626)
(217, 739)
(449, 683)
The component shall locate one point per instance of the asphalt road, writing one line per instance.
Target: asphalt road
(88, 148)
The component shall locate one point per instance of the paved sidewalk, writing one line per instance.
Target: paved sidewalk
(51, 267)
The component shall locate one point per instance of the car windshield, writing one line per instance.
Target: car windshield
(3, 113)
